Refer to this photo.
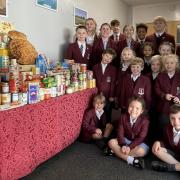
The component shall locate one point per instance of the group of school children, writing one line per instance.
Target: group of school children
(142, 78)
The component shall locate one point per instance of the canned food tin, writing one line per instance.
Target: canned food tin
(23, 97)
(14, 97)
(6, 98)
(5, 87)
(83, 68)
(4, 61)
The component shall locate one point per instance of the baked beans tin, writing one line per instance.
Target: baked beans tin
(6, 98)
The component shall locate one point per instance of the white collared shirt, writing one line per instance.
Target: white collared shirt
(148, 62)
(134, 78)
(154, 75)
(90, 39)
(159, 34)
(116, 36)
(176, 136)
(103, 67)
(124, 66)
(171, 75)
(84, 47)
(99, 114)
(132, 121)
(128, 43)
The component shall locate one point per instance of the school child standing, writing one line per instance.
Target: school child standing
(95, 125)
(167, 88)
(102, 43)
(128, 31)
(91, 26)
(160, 35)
(135, 84)
(148, 52)
(166, 48)
(126, 57)
(132, 131)
(105, 75)
(168, 150)
(79, 51)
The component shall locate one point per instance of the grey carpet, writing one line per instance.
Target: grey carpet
(86, 162)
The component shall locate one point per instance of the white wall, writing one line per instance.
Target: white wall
(50, 31)
(146, 13)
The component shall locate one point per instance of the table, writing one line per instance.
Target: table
(31, 134)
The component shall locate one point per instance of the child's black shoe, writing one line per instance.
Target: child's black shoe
(138, 163)
(159, 166)
(108, 152)
(100, 144)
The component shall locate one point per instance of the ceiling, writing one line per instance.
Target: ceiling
(143, 2)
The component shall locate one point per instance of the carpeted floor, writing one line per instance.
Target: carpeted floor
(86, 162)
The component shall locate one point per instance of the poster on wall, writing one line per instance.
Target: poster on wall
(80, 16)
(3, 8)
(49, 4)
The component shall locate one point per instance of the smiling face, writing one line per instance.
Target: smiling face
(141, 33)
(175, 120)
(135, 109)
(128, 31)
(107, 58)
(105, 31)
(165, 50)
(136, 69)
(147, 51)
(159, 26)
(90, 25)
(170, 64)
(81, 34)
(98, 105)
(126, 56)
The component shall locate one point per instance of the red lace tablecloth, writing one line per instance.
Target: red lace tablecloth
(31, 134)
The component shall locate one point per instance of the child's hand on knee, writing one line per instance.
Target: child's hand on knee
(125, 150)
(156, 147)
(98, 131)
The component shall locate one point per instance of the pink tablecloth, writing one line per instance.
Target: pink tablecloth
(31, 134)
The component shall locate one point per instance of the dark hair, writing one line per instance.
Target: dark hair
(104, 25)
(115, 22)
(110, 51)
(139, 99)
(141, 25)
(174, 109)
(149, 44)
(81, 27)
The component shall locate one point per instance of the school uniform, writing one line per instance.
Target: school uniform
(134, 45)
(105, 81)
(156, 41)
(178, 51)
(118, 37)
(168, 141)
(122, 71)
(147, 67)
(141, 47)
(136, 132)
(164, 85)
(140, 87)
(74, 52)
(98, 48)
(91, 122)
(90, 40)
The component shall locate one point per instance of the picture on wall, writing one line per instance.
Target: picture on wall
(80, 16)
(49, 4)
(3, 8)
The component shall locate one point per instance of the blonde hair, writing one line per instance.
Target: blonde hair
(91, 19)
(128, 49)
(137, 61)
(99, 97)
(160, 18)
(159, 59)
(171, 56)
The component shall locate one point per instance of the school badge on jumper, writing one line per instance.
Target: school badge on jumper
(108, 79)
(141, 91)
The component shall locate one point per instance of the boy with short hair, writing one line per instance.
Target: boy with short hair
(79, 51)
(105, 75)
(168, 150)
